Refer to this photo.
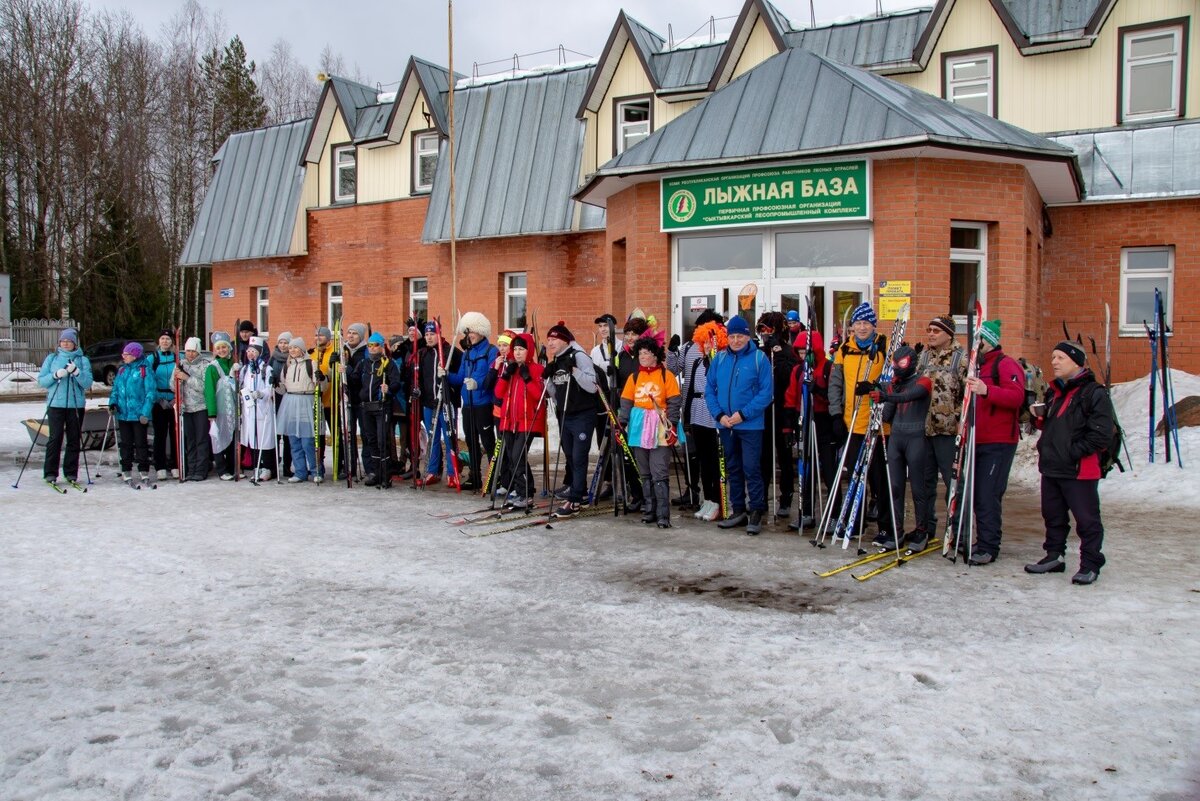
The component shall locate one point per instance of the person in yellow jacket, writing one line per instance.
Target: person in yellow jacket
(857, 365)
(324, 357)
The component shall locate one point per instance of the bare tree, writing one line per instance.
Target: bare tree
(290, 89)
(331, 63)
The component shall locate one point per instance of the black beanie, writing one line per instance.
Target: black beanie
(607, 318)
(560, 331)
(246, 326)
(1072, 350)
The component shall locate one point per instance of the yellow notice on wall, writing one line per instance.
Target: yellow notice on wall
(892, 297)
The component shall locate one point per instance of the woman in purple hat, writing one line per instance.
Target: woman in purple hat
(131, 402)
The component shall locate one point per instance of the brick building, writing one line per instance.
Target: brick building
(1045, 161)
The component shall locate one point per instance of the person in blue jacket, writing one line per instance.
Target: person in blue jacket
(162, 363)
(738, 392)
(67, 376)
(132, 402)
(479, 423)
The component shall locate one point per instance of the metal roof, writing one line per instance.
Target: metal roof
(372, 122)
(1152, 161)
(797, 101)
(435, 81)
(687, 67)
(352, 97)
(250, 208)
(865, 42)
(1041, 18)
(644, 39)
(517, 156)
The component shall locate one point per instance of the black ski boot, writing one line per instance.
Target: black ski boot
(662, 500)
(754, 522)
(648, 513)
(1050, 563)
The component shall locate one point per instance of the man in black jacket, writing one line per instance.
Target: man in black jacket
(1077, 424)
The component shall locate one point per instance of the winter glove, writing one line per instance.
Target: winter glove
(319, 376)
(441, 372)
(274, 380)
(60, 373)
(471, 384)
(113, 408)
(143, 420)
(524, 373)
(212, 428)
(464, 343)
(416, 392)
(839, 429)
(863, 388)
(506, 369)
(334, 358)
(72, 368)
(674, 345)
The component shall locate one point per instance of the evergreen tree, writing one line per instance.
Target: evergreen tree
(236, 102)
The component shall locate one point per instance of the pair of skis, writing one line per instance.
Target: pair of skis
(1158, 361)
(894, 561)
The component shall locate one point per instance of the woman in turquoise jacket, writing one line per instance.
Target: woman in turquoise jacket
(132, 403)
(67, 376)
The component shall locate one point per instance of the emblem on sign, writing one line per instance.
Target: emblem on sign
(681, 206)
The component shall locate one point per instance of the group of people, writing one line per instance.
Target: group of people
(724, 411)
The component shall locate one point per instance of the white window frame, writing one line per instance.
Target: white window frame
(338, 167)
(624, 128)
(1134, 327)
(977, 255)
(511, 292)
(425, 145)
(1128, 64)
(418, 289)
(333, 298)
(262, 309)
(990, 81)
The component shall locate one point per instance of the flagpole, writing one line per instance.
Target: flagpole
(450, 154)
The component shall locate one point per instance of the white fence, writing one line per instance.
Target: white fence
(23, 346)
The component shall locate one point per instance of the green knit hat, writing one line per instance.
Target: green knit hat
(990, 332)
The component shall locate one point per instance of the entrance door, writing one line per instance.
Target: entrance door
(832, 303)
(741, 299)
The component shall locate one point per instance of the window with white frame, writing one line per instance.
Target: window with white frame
(333, 304)
(263, 319)
(1152, 69)
(1144, 270)
(970, 81)
(633, 123)
(418, 298)
(968, 267)
(514, 301)
(345, 174)
(425, 158)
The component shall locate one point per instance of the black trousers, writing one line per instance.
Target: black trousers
(223, 461)
(707, 473)
(776, 448)
(992, 464)
(939, 461)
(196, 444)
(66, 423)
(1082, 499)
(479, 425)
(165, 447)
(133, 445)
(376, 427)
(515, 474)
(906, 460)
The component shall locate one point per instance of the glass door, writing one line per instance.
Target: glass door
(833, 303)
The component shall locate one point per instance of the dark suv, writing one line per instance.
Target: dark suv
(105, 357)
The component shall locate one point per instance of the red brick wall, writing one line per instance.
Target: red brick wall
(1083, 270)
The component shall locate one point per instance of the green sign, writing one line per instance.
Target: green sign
(767, 196)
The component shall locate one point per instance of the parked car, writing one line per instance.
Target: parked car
(105, 357)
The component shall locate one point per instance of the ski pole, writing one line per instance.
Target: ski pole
(104, 441)
(38, 433)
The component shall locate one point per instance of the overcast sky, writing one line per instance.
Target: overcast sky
(380, 36)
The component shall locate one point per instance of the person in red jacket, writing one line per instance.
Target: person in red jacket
(823, 423)
(520, 389)
(999, 389)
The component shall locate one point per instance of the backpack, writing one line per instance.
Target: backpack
(1111, 455)
(1035, 389)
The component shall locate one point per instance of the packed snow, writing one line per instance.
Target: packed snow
(221, 640)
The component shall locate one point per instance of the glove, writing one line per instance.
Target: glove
(113, 408)
(875, 395)
(319, 375)
(441, 372)
(72, 368)
(212, 428)
(672, 436)
(334, 358)
(464, 343)
(863, 388)
(471, 384)
(60, 372)
(274, 380)
(416, 392)
(523, 370)
(236, 366)
(143, 420)
(507, 369)
(839, 429)
(674, 346)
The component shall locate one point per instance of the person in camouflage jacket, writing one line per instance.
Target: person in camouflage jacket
(944, 363)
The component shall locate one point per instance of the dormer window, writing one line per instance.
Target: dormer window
(1152, 70)
(345, 174)
(970, 80)
(632, 123)
(425, 159)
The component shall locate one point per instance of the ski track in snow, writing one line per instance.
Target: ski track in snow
(218, 641)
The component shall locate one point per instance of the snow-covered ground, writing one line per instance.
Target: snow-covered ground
(219, 641)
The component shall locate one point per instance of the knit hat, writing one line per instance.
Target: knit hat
(376, 339)
(298, 342)
(863, 311)
(193, 343)
(359, 329)
(793, 316)
(285, 337)
(990, 332)
(69, 334)
(221, 336)
(506, 338)
(560, 331)
(523, 341)
(1073, 351)
(167, 332)
(246, 325)
(475, 322)
(258, 343)
(606, 318)
(394, 340)
(636, 325)
(430, 327)
(944, 322)
(133, 349)
(738, 325)
(323, 331)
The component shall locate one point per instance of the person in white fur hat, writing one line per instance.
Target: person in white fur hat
(196, 445)
(478, 422)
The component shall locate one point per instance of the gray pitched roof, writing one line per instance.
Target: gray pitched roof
(644, 39)
(867, 42)
(435, 81)
(1040, 18)
(687, 67)
(250, 208)
(517, 156)
(1152, 161)
(352, 97)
